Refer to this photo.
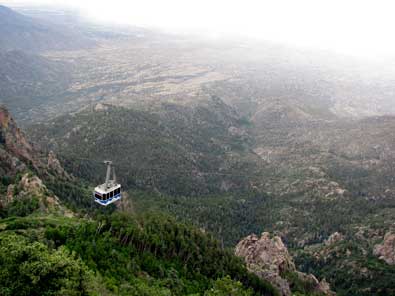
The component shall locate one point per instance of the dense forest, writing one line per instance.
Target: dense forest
(117, 254)
(170, 151)
(48, 250)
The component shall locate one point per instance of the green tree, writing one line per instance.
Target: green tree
(227, 287)
(33, 269)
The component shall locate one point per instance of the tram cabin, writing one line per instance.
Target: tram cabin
(106, 196)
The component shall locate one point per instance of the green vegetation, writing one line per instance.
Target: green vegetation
(351, 270)
(229, 217)
(117, 254)
(314, 185)
(233, 216)
(21, 207)
(227, 287)
(31, 268)
(165, 151)
(311, 220)
(77, 195)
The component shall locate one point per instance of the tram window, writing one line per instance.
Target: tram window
(104, 196)
(111, 194)
(98, 196)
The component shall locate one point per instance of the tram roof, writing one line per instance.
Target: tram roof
(102, 188)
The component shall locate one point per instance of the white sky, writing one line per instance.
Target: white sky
(355, 27)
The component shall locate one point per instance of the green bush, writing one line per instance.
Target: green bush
(32, 269)
(23, 206)
(227, 287)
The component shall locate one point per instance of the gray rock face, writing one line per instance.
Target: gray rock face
(269, 259)
(29, 186)
(54, 164)
(386, 250)
(269, 253)
(16, 151)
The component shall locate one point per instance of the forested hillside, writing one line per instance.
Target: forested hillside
(48, 248)
(173, 151)
(117, 255)
(293, 194)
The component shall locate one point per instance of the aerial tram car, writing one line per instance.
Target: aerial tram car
(110, 191)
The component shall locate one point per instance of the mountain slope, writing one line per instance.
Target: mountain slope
(19, 154)
(152, 255)
(47, 249)
(174, 150)
(30, 80)
(22, 169)
(27, 171)
(19, 32)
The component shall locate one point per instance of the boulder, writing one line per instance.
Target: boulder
(386, 250)
(268, 258)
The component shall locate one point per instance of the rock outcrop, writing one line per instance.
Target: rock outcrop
(12, 138)
(269, 259)
(17, 153)
(334, 238)
(54, 165)
(31, 186)
(386, 250)
(26, 168)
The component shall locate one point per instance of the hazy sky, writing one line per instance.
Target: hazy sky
(356, 27)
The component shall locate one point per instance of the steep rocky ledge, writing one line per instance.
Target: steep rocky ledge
(31, 191)
(23, 168)
(17, 154)
(13, 143)
(269, 259)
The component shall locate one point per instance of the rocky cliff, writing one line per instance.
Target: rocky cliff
(13, 143)
(18, 154)
(22, 168)
(268, 258)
